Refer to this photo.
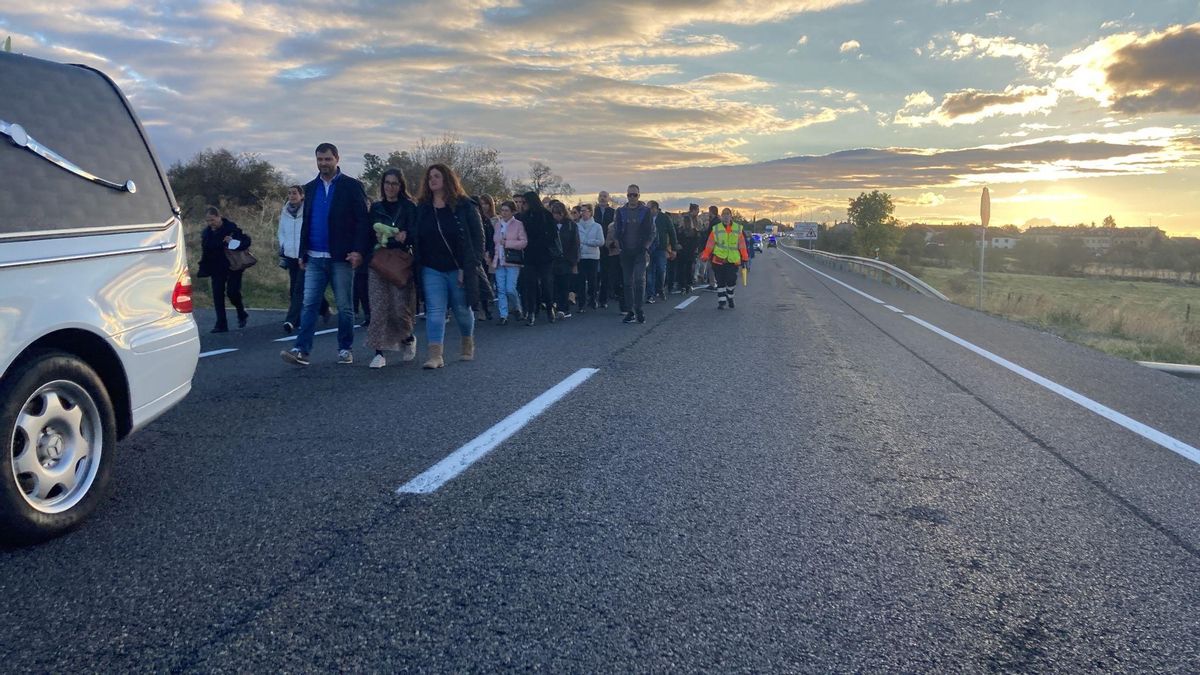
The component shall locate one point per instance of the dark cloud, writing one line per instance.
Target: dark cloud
(1159, 74)
(970, 101)
(899, 168)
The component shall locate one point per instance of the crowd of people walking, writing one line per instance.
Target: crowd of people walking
(446, 255)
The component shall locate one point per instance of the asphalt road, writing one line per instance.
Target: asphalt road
(810, 482)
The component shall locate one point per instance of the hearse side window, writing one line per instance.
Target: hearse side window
(76, 113)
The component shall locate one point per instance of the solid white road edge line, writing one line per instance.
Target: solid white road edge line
(895, 309)
(836, 281)
(217, 352)
(1149, 433)
(327, 331)
(685, 303)
(456, 462)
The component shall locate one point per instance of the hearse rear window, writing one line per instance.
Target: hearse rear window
(79, 115)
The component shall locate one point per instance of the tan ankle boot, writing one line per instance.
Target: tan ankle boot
(468, 349)
(435, 357)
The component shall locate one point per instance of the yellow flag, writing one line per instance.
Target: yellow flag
(745, 277)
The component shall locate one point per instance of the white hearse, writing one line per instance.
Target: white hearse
(96, 333)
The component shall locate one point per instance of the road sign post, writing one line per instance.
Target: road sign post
(805, 231)
(985, 217)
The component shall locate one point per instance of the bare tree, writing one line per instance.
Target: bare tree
(544, 181)
(478, 167)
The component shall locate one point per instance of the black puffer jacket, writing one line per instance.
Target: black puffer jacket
(544, 245)
(212, 248)
(568, 237)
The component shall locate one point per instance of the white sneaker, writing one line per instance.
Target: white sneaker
(345, 356)
(410, 350)
(378, 361)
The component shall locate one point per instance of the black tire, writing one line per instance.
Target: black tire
(20, 521)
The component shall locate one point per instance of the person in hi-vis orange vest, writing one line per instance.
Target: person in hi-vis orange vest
(726, 248)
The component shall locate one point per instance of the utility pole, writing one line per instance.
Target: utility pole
(985, 217)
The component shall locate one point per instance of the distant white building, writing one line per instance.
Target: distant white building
(1000, 241)
(1098, 242)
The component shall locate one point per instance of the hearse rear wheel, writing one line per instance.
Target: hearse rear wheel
(59, 430)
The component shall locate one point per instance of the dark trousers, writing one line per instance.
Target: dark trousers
(483, 293)
(586, 287)
(538, 280)
(685, 268)
(727, 275)
(227, 283)
(362, 299)
(657, 277)
(296, 293)
(564, 283)
(610, 279)
(633, 277)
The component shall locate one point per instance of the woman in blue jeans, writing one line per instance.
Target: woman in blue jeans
(446, 240)
(509, 236)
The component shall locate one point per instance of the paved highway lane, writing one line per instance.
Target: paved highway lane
(852, 491)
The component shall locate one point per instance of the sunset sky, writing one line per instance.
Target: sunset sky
(1069, 110)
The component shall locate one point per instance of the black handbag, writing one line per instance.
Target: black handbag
(514, 256)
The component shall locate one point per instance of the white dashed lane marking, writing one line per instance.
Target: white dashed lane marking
(292, 338)
(456, 462)
(216, 352)
(1145, 431)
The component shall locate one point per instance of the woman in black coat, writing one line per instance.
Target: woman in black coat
(566, 266)
(485, 296)
(222, 235)
(447, 235)
(544, 247)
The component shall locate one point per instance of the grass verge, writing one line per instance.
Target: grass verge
(266, 284)
(1139, 320)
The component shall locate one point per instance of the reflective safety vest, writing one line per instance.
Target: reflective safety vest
(726, 243)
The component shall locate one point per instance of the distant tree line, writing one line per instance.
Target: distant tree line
(220, 177)
(871, 230)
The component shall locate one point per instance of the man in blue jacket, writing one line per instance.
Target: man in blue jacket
(334, 240)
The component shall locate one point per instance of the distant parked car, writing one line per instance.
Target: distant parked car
(772, 242)
(756, 241)
(96, 333)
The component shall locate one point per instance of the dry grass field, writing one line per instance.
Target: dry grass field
(1140, 320)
